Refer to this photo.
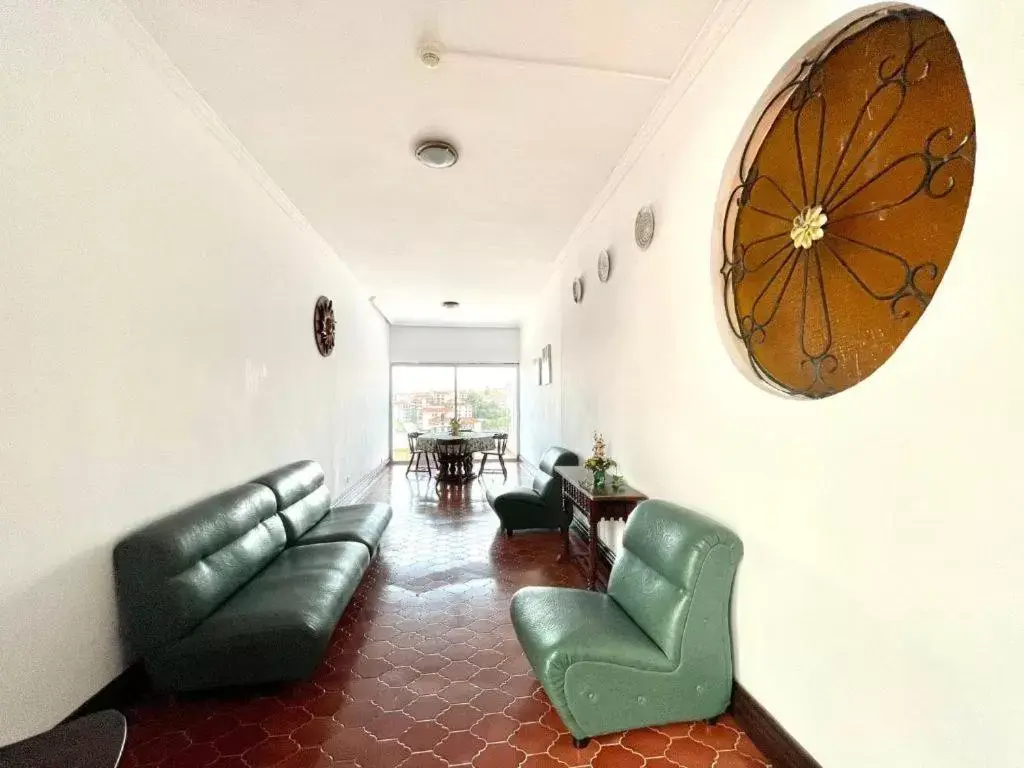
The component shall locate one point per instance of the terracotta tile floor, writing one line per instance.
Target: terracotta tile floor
(424, 669)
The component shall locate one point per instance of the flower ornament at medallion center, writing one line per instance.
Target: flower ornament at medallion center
(808, 226)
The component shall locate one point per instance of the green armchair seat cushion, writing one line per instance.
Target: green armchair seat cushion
(586, 632)
(277, 627)
(540, 505)
(364, 523)
(656, 649)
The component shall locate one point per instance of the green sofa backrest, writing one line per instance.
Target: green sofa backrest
(669, 554)
(176, 571)
(545, 483)
(302, 496)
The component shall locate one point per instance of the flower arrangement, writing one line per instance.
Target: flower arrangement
(454, 426)
(599, 463)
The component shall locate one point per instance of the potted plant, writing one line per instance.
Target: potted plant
(599, 463)
(454, 426)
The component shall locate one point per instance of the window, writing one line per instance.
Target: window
(426, 397)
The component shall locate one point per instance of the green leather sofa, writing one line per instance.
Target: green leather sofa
(656, 648)
(539, 506)
(229, 591)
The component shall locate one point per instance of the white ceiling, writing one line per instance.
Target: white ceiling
(330, 98)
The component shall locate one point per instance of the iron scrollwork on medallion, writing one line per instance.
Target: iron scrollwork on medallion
(853, 187)
(323, 325)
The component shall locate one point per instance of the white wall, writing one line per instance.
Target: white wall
(453, 344)
(877, 607)
(156, 301)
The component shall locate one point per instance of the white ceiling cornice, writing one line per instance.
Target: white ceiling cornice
(714, 30)
(135, 34)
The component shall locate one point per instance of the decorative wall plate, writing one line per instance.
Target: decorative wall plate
(323, 325)
(853, 188)
(643, 228)
(604, 266)
(577, 290)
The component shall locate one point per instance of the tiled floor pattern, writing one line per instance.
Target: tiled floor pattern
(424, 669)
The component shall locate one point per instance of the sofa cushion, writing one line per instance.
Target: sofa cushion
(176, 571)
(562, 627)
(364, 523)
(302, 496)
(663, 553)
(276, 628)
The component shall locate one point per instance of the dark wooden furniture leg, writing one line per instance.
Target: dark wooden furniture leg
(592, 580)
(566, 555)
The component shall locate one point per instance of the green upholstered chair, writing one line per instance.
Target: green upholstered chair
(539, 506)
(656, 648)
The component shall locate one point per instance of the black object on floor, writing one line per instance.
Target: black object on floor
(93, 741)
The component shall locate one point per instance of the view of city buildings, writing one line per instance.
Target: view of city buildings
(425, 398)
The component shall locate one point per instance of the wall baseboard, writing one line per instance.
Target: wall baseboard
(764, 730)
(358, 489)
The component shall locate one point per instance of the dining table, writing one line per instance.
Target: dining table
(460, 471)
(476, 441)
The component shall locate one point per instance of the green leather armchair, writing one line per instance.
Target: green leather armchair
(539, 506)
(656, 648)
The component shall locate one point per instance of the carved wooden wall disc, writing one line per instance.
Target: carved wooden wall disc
(323, 325)
(853, 189)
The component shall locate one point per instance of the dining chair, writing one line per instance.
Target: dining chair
(451, 456)
(500, 444)
(415, 452)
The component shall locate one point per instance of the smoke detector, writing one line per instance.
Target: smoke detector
(450, 304)
(430, 55)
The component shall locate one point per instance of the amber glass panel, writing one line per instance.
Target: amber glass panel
(853, 191)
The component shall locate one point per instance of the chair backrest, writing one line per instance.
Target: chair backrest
(302, 495)
(176, 571)
(670, 558)
(452, 448)
(545, 484)
(500, 442)
(412, 437)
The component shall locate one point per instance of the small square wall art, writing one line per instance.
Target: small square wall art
(545, 365)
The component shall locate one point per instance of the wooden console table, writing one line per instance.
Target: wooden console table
(596, 504)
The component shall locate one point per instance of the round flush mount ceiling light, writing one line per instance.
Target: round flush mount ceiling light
(437, 154)
(450, 304)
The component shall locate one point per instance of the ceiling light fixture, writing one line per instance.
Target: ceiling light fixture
(437, 154)
(450, 304)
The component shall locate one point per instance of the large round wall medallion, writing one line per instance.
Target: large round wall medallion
(852, 192)
(643, 228)
(577, 290)
(604, 266)
(323, 325)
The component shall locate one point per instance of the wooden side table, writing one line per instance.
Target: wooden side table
(596, 504)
